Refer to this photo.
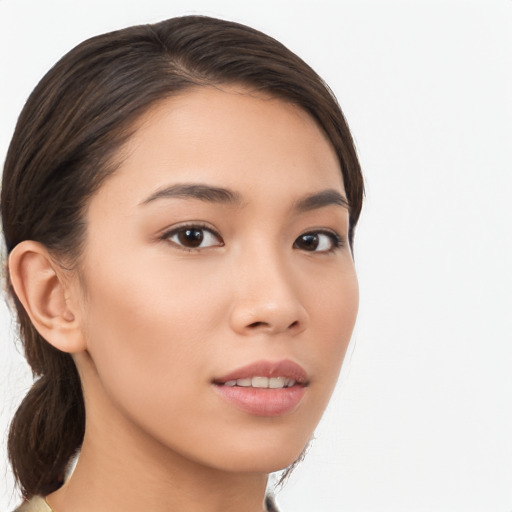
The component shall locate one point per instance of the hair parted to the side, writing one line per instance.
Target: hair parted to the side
(65, 145)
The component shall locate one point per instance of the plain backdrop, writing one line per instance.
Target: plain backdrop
(422, 417)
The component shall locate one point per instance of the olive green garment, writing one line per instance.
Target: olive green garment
(36, 504)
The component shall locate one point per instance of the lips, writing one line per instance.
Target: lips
(264, 388)
(271, 370)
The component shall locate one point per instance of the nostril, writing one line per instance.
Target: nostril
(258, 324)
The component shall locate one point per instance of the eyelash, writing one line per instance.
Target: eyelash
(337, 241)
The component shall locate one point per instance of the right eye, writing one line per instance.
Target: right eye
(193, 237)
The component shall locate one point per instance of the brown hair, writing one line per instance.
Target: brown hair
(63, 148)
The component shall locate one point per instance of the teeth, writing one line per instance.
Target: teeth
(262, 382)
(276, 382)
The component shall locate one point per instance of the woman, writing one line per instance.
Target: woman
(179, 203)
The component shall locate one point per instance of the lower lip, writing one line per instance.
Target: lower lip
(262, 401)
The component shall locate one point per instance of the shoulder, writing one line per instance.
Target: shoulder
(36, 504)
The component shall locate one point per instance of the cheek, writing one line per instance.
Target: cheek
(335, 310)
(147, 333)
(150, 351)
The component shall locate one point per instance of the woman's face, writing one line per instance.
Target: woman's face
(217, 261)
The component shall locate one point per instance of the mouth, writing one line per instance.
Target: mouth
(266, 374)
(264, 388)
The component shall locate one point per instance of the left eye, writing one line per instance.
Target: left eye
(318, 242)
(194, 237)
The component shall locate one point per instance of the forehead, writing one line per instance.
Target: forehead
(227, 137)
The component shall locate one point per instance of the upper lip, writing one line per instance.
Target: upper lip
(284, 368)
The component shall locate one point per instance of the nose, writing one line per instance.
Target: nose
(267, 300)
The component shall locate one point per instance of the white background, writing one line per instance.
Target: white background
(422, 417)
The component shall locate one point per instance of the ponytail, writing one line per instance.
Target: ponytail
(48, 427)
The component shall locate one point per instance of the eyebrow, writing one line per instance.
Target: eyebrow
(222, 195)
(196, 191)
(321, 199)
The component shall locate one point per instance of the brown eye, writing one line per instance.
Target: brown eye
(318, 242)
(194, 237)
(190, 237)
(307, 242)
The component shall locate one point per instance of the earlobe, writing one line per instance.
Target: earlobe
(39, 284)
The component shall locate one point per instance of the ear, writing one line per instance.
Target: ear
(40, 285)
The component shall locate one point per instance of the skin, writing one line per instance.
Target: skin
(157, 321)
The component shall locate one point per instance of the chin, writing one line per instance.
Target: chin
(264, 455)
